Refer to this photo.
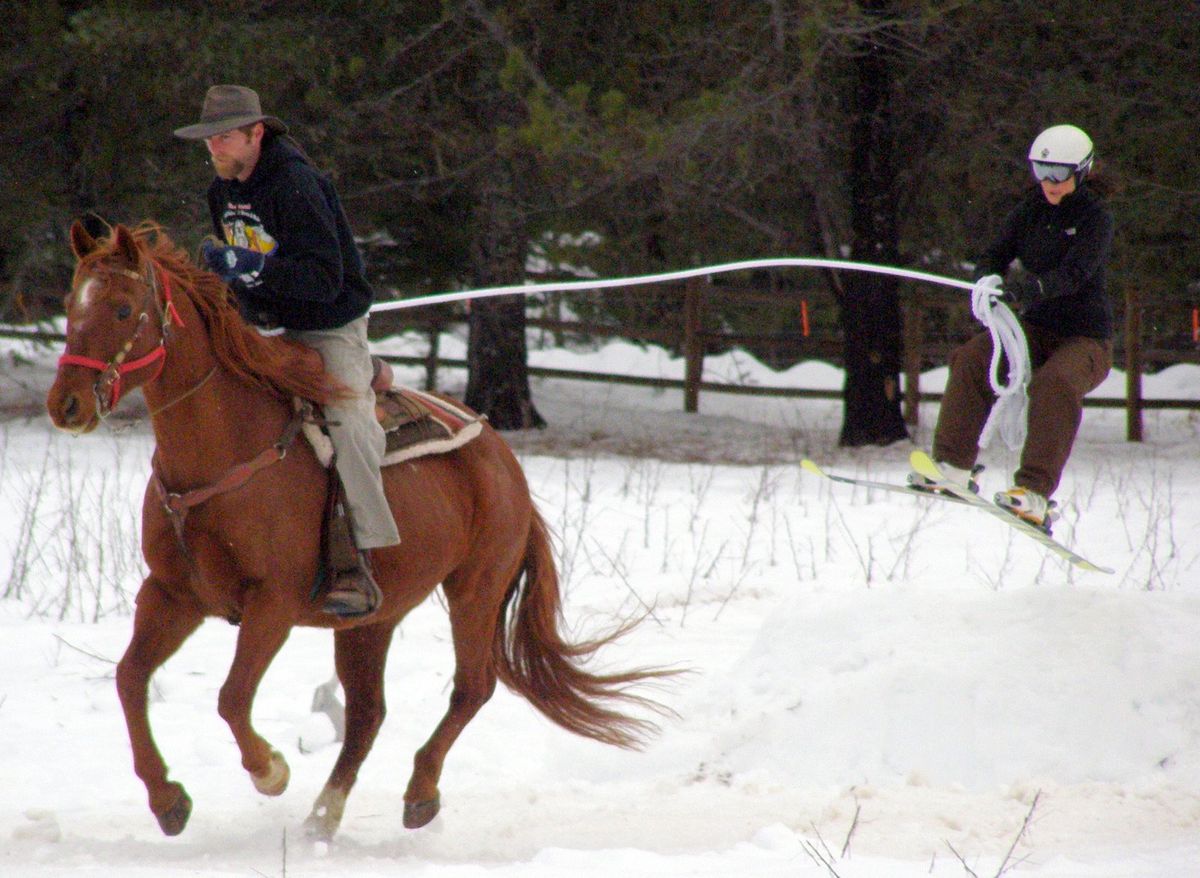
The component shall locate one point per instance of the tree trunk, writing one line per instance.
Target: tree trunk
(871, 397)
(497, 356)
(870, 316)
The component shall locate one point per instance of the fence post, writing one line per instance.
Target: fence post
(431, 358)
(1133, 365)
(693, 345)
(912, 359)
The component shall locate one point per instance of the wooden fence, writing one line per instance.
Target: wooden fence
(923, 346)
(933, 323)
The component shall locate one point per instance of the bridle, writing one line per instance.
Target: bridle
(107, 387)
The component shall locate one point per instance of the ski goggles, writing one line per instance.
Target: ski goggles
(1055, 173)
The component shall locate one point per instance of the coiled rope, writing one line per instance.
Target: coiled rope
(1008, 416)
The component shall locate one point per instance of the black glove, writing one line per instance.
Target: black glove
(1024, 292)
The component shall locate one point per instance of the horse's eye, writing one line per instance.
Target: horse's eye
(123, 312)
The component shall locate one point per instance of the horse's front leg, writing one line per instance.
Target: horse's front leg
(264, 628)
(160, 626)
(361, 656)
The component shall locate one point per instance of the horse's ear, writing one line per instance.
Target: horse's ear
(82, 242)
(125, 247)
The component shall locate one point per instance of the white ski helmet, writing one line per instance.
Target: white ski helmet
(1060, 151)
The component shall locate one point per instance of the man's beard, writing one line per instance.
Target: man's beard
(228, 169)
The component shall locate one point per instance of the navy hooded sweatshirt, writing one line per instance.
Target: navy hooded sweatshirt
(313, 276)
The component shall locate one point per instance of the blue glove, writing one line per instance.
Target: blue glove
(233, 264)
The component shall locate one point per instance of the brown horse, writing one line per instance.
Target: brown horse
(246, 546)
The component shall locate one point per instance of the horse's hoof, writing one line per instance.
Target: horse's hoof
(326, 815)
(174, 819)
(417, 814)
(319, 828)
(276, 778)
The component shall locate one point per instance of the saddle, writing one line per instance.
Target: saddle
(415, 423)
(418, 423)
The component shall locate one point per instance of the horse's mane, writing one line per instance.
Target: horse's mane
(282, 367)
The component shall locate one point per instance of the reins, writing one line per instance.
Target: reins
(186, 393)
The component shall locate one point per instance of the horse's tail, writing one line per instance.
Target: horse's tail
(532, 659)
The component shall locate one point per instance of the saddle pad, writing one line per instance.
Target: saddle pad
(415, 424)
(425, 424)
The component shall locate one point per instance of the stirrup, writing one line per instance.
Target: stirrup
(354, 594)
(967, 478)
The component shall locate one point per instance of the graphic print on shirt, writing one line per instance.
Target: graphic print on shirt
(243, 228)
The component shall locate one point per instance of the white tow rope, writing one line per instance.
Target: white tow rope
(530, 289)
(1008, 417)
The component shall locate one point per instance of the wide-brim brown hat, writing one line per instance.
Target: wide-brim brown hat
(227, 107)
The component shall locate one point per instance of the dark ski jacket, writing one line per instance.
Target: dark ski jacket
(313, 276)
(1066, 247)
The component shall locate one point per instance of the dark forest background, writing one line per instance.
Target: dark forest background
(464, 135)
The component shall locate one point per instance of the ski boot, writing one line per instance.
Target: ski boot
(1027, 505)
(964, 477)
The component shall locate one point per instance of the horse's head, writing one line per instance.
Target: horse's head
(116, 324)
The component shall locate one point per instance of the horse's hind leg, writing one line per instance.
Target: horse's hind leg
(160, 626)
(474, 614)
(360, 655)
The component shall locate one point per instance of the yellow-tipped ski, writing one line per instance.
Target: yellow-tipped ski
(812, 467)
(908, 490)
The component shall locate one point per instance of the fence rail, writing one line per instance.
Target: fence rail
(922, 346)
(696, 335)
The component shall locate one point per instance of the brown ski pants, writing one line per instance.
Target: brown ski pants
(1065, 369)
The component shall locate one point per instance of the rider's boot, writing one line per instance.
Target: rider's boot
(354, 593)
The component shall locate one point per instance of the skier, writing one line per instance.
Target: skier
(1061, 231)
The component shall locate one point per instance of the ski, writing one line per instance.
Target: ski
(908, 490)
(950, 492)
(926, 466)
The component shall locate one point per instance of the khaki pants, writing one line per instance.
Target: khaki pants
(358, 440)
(1065, 369)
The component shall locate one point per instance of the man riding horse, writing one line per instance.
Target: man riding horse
(288, 254)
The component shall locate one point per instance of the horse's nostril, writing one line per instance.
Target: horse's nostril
(71, 407)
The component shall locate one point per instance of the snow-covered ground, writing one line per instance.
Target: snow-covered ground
(881, 686)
